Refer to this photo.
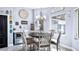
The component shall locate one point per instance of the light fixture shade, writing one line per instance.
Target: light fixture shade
(41, 17)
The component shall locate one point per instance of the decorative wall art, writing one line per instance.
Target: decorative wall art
(10, 17)
(10, 30)
(10, 22)
(23, 13)
(16, 23)
(24, 22)
(7, 12)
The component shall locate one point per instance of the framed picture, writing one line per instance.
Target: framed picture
(24, 22)
(10, 22)
(16, 23)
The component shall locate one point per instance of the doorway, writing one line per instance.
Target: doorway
(3, 31)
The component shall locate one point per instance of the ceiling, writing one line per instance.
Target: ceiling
(60, 17)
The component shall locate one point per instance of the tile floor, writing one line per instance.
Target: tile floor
(20, 48)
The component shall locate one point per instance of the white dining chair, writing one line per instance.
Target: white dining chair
(44, 42)
(24, 40)
(56, 39)
(29, 42)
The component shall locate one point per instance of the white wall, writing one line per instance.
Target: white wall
(68, 37)
(75, 40)
(17, 18)
(71, 28)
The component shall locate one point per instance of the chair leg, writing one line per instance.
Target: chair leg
(25, 47)
(49, 48)
(57, 47)
(33, 47)
(30, 47)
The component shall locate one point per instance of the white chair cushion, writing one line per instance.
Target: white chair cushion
(36, 39)
(54, 38)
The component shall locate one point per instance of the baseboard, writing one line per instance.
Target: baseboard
(68, 47)
(9, 45)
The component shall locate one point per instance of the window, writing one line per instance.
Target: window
(58, 23)
(61, 28)
(58, 26)
(54, 25)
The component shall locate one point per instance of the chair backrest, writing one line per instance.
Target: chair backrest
(58, 39)
(45, 39)
(24, 38)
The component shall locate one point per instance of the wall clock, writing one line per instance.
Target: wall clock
(23, 13)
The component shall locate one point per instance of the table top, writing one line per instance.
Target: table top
(39, 34)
